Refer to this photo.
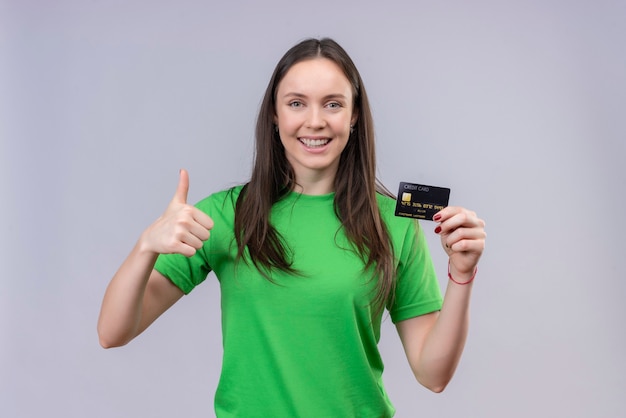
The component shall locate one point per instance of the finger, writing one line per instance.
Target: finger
(179, 244)
(193, 241)
(464, 245)
(183, 238)
(184, 225)
(202, 218)
(185, 250)
(199, 231)
(446, 213)
(458, 219)
(183, 187)
(464, 233)
(465, 239)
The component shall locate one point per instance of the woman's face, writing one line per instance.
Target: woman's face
(314, 113)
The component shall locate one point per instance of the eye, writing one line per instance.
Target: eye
(295, 104)
(334, 106)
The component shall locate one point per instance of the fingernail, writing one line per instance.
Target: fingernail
(436, 217)
(437, 230)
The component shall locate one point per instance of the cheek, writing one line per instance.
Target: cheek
(343, 126)
(285, 121)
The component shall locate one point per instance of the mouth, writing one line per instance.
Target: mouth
(314, 142)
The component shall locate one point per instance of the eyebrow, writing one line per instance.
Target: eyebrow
(327, 97)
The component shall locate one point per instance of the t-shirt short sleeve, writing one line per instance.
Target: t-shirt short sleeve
(189, 272)
(185, 272)
(417, 288)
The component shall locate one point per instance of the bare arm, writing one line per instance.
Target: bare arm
(434, 343)
(135, 297)
(138, 294)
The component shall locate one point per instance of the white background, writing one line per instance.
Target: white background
(517, 106)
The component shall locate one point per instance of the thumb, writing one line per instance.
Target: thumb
(183, 187)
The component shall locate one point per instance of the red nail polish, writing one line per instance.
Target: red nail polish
(436, 217)
(437, 230)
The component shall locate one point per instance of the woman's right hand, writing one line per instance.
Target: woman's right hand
(182, 229)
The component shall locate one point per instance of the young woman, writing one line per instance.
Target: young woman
(308, 254)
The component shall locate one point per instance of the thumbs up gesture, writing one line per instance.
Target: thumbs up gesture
(182, 228)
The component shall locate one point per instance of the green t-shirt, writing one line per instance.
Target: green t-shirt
(305, 346)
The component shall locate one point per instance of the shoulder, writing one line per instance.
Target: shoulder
(220, 202)
(387, 209)
(385, 203)
(398, 226)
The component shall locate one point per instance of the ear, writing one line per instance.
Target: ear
(355, 117)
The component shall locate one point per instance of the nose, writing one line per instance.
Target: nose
(315, 118)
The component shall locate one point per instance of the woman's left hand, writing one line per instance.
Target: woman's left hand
(462, 237)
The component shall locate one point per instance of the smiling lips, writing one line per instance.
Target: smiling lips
(314, 142)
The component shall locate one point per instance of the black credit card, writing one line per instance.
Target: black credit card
(420, 201)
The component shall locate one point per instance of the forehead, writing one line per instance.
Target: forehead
(318, 76)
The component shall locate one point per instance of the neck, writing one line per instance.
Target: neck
(315, 183)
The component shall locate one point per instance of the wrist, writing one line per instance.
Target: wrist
(460, 278)
(144, 247)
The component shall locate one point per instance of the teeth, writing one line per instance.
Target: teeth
(312, 143)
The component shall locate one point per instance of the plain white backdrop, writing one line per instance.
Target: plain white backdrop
(517, 106)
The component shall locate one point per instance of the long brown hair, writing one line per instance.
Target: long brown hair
(355, 183)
